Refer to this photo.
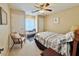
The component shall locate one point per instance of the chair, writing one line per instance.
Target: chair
(17, 38)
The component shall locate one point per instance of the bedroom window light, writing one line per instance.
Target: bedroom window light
(30, 24)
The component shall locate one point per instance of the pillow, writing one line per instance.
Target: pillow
(17, 35)
(69, 36)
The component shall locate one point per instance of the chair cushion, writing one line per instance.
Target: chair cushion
(23, 38)
(17, 35)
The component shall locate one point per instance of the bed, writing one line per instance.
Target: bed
(56, 41)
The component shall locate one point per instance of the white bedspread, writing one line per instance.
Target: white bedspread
(43, 35)
(56, 41)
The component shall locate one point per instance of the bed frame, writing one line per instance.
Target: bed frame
(75, 45)
(39, 45)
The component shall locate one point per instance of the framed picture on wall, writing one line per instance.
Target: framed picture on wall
(56, 20)
(3, 17)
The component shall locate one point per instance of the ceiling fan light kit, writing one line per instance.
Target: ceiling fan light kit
(41, 11)
(42, 8)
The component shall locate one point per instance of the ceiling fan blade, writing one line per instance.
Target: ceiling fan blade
(42, 5)
(47, 4)
(48, 9)
(37, 6)
(35, 11)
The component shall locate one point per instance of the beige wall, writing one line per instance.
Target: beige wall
(68, 18)
(36, 23)
(41, 23)
(5, 30)
(30, 17)
(17, 21)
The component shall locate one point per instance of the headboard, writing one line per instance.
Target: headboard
(75, 42)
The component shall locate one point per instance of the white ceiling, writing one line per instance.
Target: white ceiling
(29, 7)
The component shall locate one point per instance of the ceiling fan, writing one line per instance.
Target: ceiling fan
(42, 7)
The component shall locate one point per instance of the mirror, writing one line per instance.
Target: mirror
(3, 17)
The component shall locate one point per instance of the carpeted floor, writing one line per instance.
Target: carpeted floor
(29, 49)
(30, 39)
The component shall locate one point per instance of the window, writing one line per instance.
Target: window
(30, 24)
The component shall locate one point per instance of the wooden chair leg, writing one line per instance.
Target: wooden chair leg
(24, 40)
(21, 44)
(12, 46)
